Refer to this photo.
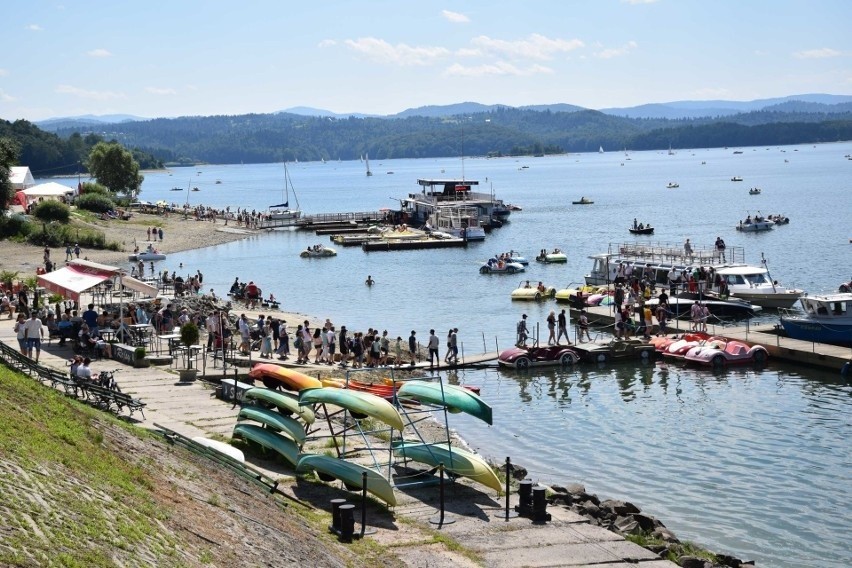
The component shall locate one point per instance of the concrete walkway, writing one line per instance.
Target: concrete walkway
(191, 409)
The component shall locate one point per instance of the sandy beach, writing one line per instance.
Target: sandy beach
(178, 235)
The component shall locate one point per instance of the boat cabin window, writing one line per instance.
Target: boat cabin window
(822, 310)
(839, 308)
(735, 279)
(755, 279)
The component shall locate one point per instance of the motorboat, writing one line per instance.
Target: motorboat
(736, 178)
(495, 266)
(755, 224)
(827, 319)
(755, 285)
(680, 305)
(557, 256)
(583, 201)
(754, 191)
(673, 185)
(459, 221)
(417, 208)
(640, 229)
(149, 254)
(318, 251)
(526, 291)
(779, 219)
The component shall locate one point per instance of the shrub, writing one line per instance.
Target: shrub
(92, 188)
(61, 235)
(15, 226)
(95, 202)
(52, 210)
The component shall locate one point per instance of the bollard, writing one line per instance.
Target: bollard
(335, 515)
(540, 514)
(347, 522)
(525, 503)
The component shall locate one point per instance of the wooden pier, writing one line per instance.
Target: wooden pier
(413, 244)
(780, 347)
(326, 220)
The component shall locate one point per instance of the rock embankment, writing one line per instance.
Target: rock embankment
(625, 518)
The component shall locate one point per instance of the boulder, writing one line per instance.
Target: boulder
(627, 525)
(664, 534)
(647, 522)
(619, 507)
(693, 562)
(518, 472)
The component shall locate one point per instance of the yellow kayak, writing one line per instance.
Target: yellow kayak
(356, 402)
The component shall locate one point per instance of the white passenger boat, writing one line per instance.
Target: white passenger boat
(459, 221)
(657, 262)
(283, 212)
(149, 254)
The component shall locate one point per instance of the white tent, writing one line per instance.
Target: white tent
(49, 189)
(81, 275)
(21, 177)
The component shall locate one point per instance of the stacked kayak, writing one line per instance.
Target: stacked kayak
(359, 403)
(285, 402)
(290, 379)
(454, 398)
(457, 461)
(351, 474)
(269, 439)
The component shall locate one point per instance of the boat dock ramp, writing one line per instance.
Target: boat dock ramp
(383, 244)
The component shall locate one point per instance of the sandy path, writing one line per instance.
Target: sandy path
(178, 235)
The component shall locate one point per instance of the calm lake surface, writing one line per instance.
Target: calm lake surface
(755, 463)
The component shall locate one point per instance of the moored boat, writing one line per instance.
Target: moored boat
(149, 254)
(756, 286)
(827, 319)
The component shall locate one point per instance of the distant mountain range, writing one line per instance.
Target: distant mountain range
(675, 110)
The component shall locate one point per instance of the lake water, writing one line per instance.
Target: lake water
(755, 463)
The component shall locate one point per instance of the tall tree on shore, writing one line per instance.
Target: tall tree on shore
(8, 158)
(114, 167)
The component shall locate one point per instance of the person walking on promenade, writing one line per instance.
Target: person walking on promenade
(583, 326)
(148, 233)
(69, 253)
(562, 327)
(160, 233)
(397, 351)
(454, 347)
(412, 347)
(33, 332)
(77, 250)
(551, 328)
(434, 357)
(687, 249)
(662, 316)
(245, 335)
(523, 332)
(449, 347)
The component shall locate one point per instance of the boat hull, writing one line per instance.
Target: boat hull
(455, 398)
(293, 380)
(807, 329)
(283, 401)
(221, 447)
(357, 402)
(351, 474)
(268, 439)
(775, 300)
(455, 460)
(270, 418)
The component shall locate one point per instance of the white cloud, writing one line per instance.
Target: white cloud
(399, 54)
(35, 28)
(536, 46)
(84, 94)
(327, 43)
(500, 68)
(99, 53)
(160, 91)
(454, 17)
(6, 98)
(617, 51)
(817, 53)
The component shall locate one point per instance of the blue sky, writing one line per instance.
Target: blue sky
(189, 57)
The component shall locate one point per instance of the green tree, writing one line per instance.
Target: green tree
(114, 166)
(52, 210)
(8, 157)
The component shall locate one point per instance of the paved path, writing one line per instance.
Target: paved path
(568, 540)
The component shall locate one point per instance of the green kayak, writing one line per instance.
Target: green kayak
(455, 460)
(284, 401)
(287, 425)
(269, 439)
(455, 398)
(357, 402)
(351, 474)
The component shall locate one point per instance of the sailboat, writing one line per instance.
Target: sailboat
(282, 211)
(670, 150)
(600, 150)
(367, 159)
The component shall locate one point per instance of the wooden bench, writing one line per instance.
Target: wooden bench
(68, 383)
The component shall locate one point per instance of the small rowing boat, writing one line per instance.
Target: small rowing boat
(284, 401)
(275, 420)
(455, 460)
(351, 474)
(269, 439)
(455, 398)
(292, 380)
(359, 403)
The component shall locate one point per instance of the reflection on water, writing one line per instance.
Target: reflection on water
(733, 459)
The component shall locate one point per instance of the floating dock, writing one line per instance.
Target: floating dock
(411, 244)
